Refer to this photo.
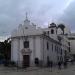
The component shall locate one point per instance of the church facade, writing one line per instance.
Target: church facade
(30, 44)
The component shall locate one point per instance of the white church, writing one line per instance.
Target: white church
(30, 43)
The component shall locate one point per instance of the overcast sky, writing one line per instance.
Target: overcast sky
(41, 12)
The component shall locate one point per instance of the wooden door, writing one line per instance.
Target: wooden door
(26, 60)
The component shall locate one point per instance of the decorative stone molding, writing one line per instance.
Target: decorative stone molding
(26, 51)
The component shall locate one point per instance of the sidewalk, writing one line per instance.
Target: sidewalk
(37, 71)
(15, 69)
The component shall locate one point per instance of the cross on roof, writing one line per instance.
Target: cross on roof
(26, 15)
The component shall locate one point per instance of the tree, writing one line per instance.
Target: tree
(62, 26)
(2, 48)
(7, 49)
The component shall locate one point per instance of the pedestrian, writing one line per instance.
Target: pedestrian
(59, 65)
(65, 64)
(48, 63)
(51, 65)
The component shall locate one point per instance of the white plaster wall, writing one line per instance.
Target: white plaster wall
(59, 31)
(32, 48)
(72, 46)
(50, 53)
(45, 51)
(21, 47)
(54, 57)
(72, 42)
(14, 51)
(38, 47)
(32, 32)
(35, 47)
(53, 54)
(67, 30)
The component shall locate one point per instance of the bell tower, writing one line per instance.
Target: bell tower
(53, 28)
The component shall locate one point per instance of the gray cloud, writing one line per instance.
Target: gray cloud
(12, 13)
(68, 16)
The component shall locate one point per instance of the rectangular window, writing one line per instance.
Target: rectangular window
(47, 46)
(26, 44)
(69, 44)
(52, 47)
(69, 49)
(48, 32)
(61, 51)
(58, 58)
(55, 48)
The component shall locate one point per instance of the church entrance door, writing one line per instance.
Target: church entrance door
(26, 60)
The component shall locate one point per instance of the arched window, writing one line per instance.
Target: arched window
(52, 31)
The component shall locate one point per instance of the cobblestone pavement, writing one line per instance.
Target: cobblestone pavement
(37, 71)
